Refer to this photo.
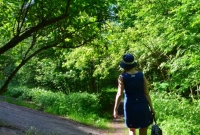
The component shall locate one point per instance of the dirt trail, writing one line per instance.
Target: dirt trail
(20, 120)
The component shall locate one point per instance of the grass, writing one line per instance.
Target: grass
(2, 124)
(19, 102)
(80, 107)
(175, 114)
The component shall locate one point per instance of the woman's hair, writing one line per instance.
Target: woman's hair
(127, 69)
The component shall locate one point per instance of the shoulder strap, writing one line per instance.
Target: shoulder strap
(154, 118)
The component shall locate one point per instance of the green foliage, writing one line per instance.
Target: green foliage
(32, 131)
(176, 115)
(6, 17)
(60, 24)
(107, 100)
(16, 92)
(19, 102)
(2, 123)
(163, 36)
(82, 107)
(83, 103)
(160, 86)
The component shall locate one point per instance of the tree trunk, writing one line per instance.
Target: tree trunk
(23, 62)
(5, 86)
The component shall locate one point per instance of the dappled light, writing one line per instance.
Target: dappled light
(62, 58)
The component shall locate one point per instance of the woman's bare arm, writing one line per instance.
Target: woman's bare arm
(119, 95)
(146, 92)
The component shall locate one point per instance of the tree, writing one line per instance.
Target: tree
(39, 25)
(165, 38)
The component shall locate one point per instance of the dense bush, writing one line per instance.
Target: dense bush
(177, 115)
(16, 92)
(83, 103)
(107, 99)
(80, 106)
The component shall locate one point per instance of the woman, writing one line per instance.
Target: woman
(138, 108)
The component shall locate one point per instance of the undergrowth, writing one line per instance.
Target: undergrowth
(175, 114)
(80, 106)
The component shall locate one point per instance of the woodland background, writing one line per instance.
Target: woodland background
(64, 55)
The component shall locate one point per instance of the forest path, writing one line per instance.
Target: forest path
(20, 120)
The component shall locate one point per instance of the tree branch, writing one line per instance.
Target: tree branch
(24, 61)
(25, 9)
(31, 46)
(15, 40)
(67, 6)
(19, 18)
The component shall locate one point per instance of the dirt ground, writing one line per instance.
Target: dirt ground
(17, 120)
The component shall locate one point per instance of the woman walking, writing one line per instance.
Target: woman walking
(138, 108)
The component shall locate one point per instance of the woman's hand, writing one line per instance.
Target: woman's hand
(115, 114)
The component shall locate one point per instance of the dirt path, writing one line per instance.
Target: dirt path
(21, 121)
(118, 127)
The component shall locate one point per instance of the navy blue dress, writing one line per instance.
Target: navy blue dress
(136, 109)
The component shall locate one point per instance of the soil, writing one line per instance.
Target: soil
(17, 120)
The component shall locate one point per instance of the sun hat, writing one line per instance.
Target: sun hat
(128, 62)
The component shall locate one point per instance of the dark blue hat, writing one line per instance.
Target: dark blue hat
(128, 62)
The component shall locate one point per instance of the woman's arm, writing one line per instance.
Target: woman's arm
(146, 92)
(118, 96)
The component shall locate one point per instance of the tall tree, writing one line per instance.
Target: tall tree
(39, 25)
(165, 38)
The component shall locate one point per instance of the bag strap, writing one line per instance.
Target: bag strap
(154, 118)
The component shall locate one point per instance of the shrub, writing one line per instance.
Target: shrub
(176, 115)
(59, 103)
(83, 103)
(107, 101)
(15, 92)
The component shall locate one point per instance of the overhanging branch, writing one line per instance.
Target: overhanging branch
(17, 39)
(24, 61)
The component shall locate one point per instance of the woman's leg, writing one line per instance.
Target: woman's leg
(132, 131)
(143, 131)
